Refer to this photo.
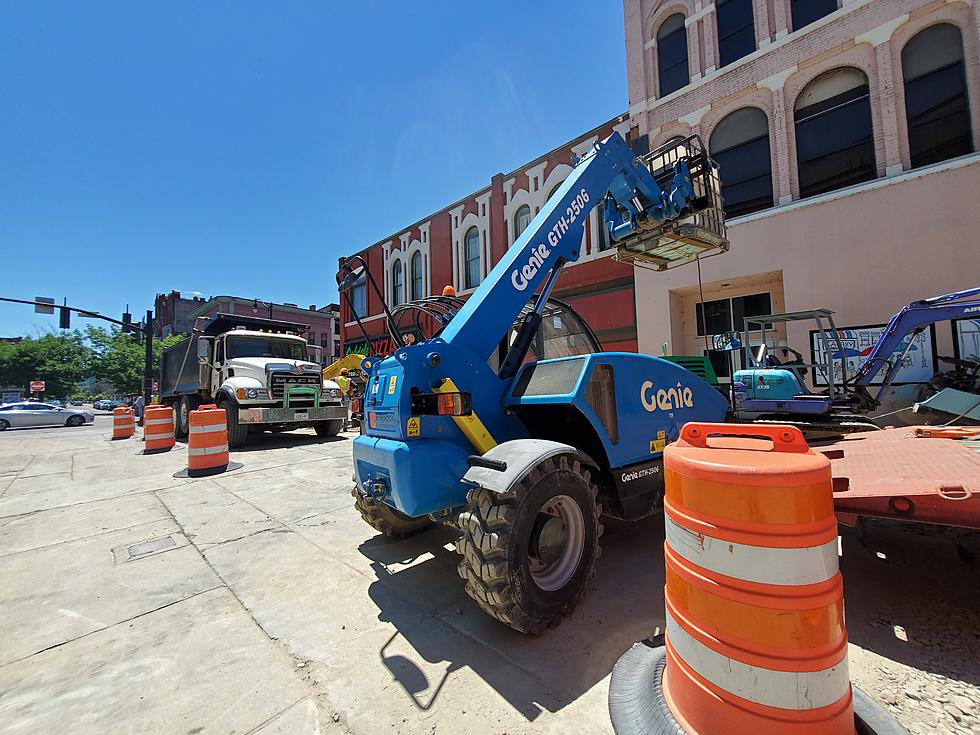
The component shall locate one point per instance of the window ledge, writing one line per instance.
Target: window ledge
(916, 173)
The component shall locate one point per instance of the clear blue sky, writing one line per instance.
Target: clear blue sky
(241, 147)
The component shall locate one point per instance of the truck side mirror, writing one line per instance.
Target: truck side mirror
(203, 351)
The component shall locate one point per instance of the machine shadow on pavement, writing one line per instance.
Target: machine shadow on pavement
(917, 601)
(534, 674)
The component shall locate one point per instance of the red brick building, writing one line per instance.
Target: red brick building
(458, 245)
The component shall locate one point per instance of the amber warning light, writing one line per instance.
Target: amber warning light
(442, 404)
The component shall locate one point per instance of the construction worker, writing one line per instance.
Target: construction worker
(344, 382)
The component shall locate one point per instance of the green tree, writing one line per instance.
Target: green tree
(119, 359)
(60, 360)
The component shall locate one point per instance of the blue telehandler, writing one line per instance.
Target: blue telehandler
(508, 422)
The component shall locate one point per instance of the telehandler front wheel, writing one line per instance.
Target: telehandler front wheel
(530, 553)
(386, 519)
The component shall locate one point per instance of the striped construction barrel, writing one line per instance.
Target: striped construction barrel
(755, 632)
(207, 441)
(123, 422)
(158, 428)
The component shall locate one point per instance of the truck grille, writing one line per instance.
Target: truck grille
(278, 382)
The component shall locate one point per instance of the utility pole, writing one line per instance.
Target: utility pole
(148, 368)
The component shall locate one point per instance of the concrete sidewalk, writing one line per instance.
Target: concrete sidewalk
(258, 601)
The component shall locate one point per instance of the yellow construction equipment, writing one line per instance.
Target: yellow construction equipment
(347, 362)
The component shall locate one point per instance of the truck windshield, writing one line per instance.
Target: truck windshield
(265, 347)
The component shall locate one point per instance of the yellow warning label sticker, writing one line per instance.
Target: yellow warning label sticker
(391, 385)
(414, 426)
(657, 445)
(661, 434)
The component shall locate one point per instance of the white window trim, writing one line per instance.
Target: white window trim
(482, 224)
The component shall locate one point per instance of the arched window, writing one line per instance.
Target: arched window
(834, 136)
(740, 145)
(554, 189)
(417, 287)
(522, 218)
(672, 54)
(936, 104)
(397, 284)
(736, 30)
(805, 12)
(471, 258)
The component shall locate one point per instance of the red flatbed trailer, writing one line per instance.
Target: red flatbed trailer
(924, 474)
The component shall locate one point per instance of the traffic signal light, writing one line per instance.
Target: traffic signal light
(64, 318)
(127, 320)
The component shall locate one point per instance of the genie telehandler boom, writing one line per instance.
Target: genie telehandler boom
(509, 423)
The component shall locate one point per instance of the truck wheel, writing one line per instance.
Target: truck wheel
(182, 421)
(237, 433)
(529, 554)
(386, 519)
(328, 428)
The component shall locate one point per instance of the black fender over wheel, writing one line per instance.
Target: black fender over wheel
(386, 519)
(529, 553)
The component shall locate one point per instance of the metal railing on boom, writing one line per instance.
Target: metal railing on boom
(699, 233)
(350, 272)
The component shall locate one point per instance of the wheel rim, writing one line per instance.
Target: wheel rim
(556, 543)
(183, 415)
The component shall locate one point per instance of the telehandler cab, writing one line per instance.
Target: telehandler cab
(508, 422)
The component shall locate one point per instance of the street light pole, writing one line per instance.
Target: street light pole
(255, 306)
(148, 367)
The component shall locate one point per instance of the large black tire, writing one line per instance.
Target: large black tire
(74, 421)
(638, 706)
(328, 428)
(499, 531)
(182, 419)
(237, 433)
(386, 519)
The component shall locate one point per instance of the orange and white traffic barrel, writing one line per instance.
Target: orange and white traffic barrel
(207, 443)
(158, 428)
(755, 639)
(123, 422)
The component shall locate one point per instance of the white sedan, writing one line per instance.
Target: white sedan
(22, 415)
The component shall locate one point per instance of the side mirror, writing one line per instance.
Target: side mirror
(726, 342)
(203, 351)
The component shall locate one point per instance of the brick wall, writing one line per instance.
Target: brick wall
(865, 34)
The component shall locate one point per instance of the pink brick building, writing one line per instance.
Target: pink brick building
(323, 322)
(846, 132)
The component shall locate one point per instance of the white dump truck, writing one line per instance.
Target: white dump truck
(259, 370)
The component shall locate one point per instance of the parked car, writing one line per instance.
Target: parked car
(20, 415)
(75, 403)
(117, 404)
(102, 404)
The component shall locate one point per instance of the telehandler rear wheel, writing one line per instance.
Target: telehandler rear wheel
(529, 554)
(386, 519)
